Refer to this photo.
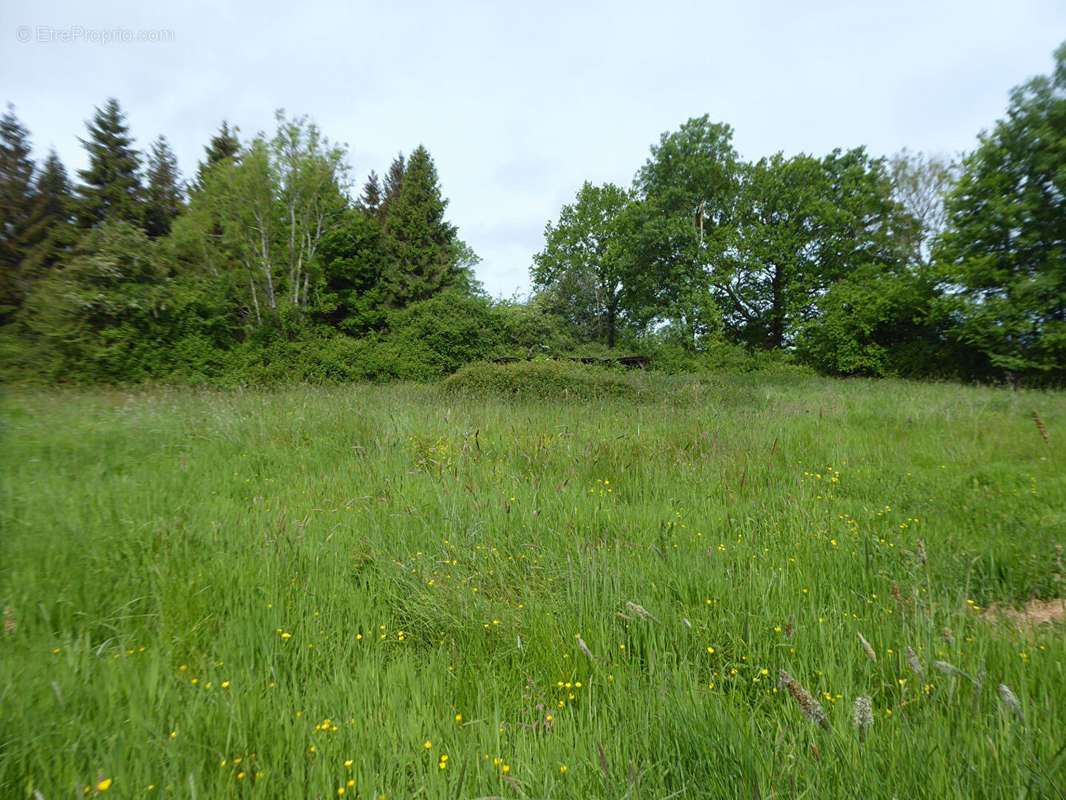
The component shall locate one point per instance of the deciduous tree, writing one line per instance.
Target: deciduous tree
(803, 224)
(687, 239)
(920, 184)
(312, 177)
(585, 265)
(1003, 256)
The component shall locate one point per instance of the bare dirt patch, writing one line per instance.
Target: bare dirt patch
(1036, 615)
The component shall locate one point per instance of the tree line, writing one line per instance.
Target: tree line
(131, 273)
(909, 265)
(266, 264)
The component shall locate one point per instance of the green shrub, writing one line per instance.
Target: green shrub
(719, 358)
(445, 332)
(544, 379)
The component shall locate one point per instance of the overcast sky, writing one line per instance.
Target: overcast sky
(521, 103)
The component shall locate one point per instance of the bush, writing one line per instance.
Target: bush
(719, 358)
(529, 329)
(445, 332)
(544, 379)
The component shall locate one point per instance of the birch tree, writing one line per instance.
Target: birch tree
(312, 176)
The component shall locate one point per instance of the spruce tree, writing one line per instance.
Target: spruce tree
(224, 145)
(17, 196)
(164, 195)
(52, 232)
(53, 191)
(111, 186)
(393, 184)
(422, 245)
(370, 200)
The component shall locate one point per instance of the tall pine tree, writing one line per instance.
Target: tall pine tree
(53, 191)
(52, 232)
(223, 145)
(164, 198)
(392, 186)
(111, 187)
(422, 245)
(370, 200)
(17, 196)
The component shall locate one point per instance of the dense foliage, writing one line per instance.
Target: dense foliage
(1005, 249)
(265, 267)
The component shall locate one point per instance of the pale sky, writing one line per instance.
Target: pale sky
(519, 104)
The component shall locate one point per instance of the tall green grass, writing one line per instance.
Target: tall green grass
(298, 592)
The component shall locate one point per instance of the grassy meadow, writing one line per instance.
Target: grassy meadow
(407, 592)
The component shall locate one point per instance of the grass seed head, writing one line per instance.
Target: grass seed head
(948, 669)
(862, 715)
(810, 707)
(1010, 701)
(584, 648)
(870, 654)
(640, 611)
(914, 663)
(951, 669)
(10, 623)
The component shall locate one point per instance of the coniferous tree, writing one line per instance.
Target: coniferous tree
(52, 232)
(53, 191)
(370, 200)
(111, 187)
(164, 195)
(393, 184)
(17, 195)
(422, 245)
(224, 145)
(224, 148)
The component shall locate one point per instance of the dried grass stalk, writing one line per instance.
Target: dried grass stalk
(1040, 426)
